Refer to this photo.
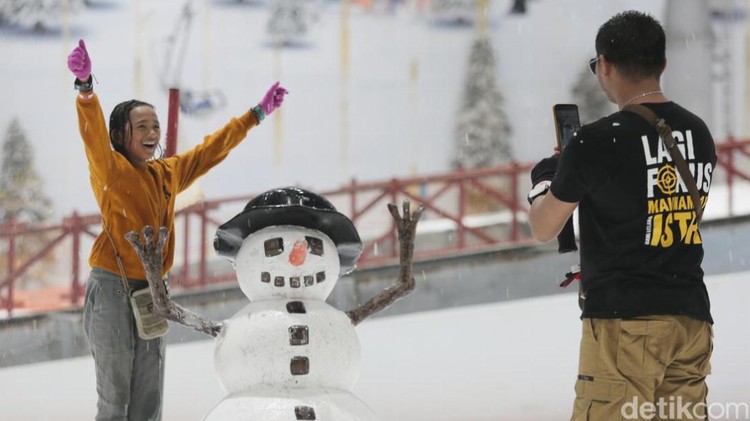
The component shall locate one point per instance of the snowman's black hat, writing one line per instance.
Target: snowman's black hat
(291, 206)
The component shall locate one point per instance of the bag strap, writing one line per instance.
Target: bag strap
(665, 134)
(123, 278)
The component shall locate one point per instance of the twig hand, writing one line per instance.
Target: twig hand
(151, 254)
(406, 225)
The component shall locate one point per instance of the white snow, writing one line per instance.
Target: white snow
(511, 361)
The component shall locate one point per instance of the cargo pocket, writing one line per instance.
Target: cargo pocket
(645, 347)
(598, 399)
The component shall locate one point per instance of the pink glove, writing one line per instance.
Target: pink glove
(79, 62)
(273, 98)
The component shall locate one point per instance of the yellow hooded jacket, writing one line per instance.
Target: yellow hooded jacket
(130, 198)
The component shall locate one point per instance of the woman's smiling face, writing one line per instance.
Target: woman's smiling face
(142, 134)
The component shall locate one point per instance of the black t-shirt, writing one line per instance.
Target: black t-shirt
(640, 254)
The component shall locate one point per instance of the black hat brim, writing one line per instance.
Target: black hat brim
(335, 225)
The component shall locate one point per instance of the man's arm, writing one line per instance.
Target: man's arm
(548, 215)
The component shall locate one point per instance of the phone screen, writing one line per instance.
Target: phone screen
(566, 122)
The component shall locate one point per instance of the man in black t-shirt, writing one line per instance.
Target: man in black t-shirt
(646, 340)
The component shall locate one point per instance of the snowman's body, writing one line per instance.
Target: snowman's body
(288, 355)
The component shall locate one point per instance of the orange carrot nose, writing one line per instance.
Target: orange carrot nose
(299, 253)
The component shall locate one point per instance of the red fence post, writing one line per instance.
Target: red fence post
(514, 229)
(730, 179)
(204, 228)
(353, 200)
(11, 263)
(461, 234)
(395, 188)
(173, 117)
(75, 230)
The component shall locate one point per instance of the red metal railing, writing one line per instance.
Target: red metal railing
(732, 156)
(466, 210)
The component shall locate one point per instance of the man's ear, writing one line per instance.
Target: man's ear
(605, 67)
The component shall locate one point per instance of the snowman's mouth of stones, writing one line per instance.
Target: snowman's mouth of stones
(293, 281)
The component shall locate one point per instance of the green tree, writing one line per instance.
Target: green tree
(23, 201)
(288, 21)
(482, 127)
(39, 15)
(22, 196)
(454, 11)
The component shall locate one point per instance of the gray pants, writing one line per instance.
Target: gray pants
(129, 370)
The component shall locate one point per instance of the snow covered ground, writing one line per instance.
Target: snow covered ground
(512, 361)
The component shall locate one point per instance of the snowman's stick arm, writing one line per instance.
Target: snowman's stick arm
(406, 226)
(151, 252)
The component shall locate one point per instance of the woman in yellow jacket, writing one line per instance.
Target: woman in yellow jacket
(134, 190)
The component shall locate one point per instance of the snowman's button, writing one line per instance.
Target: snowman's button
(320, 276)
(298, 335)
(265, 277)
(304, 413)
(300, 366)
(297, 307)
(309, 280)
(294, 282)
(278, 281)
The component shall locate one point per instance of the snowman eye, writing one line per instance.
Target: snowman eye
(314, 245)
(274, 246)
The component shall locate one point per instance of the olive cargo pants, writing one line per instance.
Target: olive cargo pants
(641, 369)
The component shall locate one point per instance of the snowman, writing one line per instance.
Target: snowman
(287, 355)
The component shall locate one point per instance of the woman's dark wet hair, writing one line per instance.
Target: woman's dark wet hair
(635, 43)
(119, 119)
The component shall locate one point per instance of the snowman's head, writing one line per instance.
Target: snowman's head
(287, 262)
(297, 214)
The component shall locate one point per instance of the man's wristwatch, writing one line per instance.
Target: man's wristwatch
(540, 189)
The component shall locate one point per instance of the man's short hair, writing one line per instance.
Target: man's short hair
(634, 42)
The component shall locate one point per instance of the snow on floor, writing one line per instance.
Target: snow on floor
(510, 361)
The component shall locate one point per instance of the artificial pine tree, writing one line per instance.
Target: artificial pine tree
(288, 21)
(518, 8)
(21, 195)
(39, 15)
(482, 127)
(588, 95)
(455, 11)
(22, 200)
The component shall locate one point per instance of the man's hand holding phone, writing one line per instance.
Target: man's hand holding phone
(567, 124)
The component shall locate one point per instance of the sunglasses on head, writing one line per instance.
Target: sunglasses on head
(592, 64)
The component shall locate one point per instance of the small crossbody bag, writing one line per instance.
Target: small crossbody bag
(149, 324)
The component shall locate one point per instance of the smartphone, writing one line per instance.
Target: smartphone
(566, 122)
